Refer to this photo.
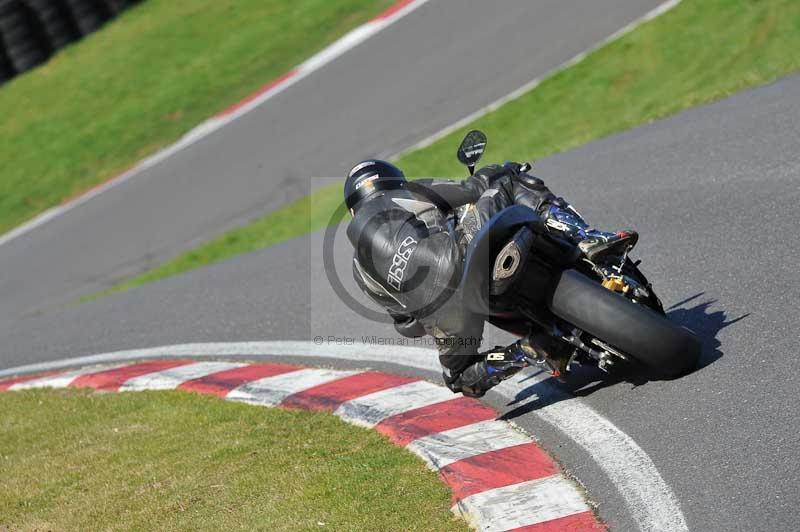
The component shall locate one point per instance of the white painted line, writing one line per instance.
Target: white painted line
(369, 410)
(524, 504)
(652, 503)
(528, 87)
(413, 357)
(346, 43)
(457, 444)
(650, 500)
(61, 380)
(270, 391)
(170, 379)
(351, 40)
(213, 124)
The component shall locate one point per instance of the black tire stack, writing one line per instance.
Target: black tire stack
(56, 21)
(31, 30)
(89, 15)
(6, 68)
(118, 6)
(23, 41)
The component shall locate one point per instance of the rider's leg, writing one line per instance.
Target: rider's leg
(495, 367)
(563, 218)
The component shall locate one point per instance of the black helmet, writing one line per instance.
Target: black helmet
(370, 176)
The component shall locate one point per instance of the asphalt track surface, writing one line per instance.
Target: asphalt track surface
(713, 191)
(439, 63)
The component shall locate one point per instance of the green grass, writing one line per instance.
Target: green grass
(144, 80)
(701, 51)
(75, 460)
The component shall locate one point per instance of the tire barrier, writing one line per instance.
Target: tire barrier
(22, 37)
(89, 15)
(6, 68)
(56, 21)
(32, 30)
(118, 6)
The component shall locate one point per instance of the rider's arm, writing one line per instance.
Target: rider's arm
(532, 192)
(457, 193)
(514, 188)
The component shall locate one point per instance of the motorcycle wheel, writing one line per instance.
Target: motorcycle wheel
(636, 330)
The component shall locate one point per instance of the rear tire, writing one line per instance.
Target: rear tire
(635, 330)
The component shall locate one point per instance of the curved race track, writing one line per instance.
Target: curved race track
(714, 192)
(429, 69)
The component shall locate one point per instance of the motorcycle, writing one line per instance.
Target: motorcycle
(525, 274)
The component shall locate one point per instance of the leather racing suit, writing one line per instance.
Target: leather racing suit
(409, 249)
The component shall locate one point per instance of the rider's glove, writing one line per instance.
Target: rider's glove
(513, 169)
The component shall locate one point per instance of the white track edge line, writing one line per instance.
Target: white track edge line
(339, 47)
(356, 37)
(322, 58)
(650, 500)
(529, 86)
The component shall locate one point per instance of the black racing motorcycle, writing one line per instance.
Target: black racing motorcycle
(524, 275)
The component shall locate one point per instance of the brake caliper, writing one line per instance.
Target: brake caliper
(616, 284)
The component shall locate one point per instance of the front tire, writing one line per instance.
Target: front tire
(636, 330)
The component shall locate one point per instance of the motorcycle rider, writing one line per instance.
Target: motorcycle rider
(410, 239)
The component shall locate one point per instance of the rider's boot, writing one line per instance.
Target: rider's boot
(502, 363)
(497, 366)
(564, 219)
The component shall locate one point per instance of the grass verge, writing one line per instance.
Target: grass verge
(78, 460)
(143, 81)
(700, 51)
